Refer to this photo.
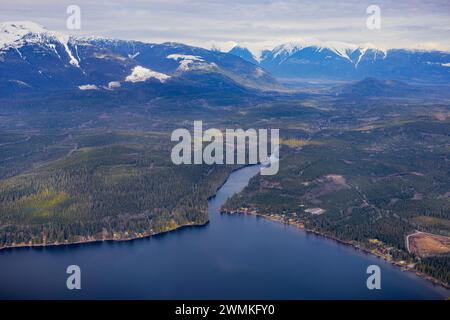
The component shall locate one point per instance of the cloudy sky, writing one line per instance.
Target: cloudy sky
(252, 23)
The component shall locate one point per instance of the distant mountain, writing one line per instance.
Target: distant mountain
(244, 53)
(34, 58)
(343, 61)
(371, 87)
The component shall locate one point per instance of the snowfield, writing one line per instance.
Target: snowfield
(185, 60)
(140, 74)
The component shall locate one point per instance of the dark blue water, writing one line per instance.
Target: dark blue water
(232, 257)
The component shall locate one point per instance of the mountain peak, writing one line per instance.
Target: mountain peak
(342, 49)
(13, 31)
(17, 34)
(244, 53)
(22, 27)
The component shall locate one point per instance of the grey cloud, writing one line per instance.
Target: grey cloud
(407, 23)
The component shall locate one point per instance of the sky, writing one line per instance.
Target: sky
(256, 24)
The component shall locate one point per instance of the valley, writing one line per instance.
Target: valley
(85, 146)
(344, 172)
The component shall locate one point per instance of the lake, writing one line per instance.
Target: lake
(232, 257)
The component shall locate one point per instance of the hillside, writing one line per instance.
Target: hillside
(34, 59)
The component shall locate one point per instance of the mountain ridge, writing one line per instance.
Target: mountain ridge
(34, 58)
(31, 57)
(343, 61)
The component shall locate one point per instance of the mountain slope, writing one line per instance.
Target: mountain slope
(33, 58)
(244, 53)
(343, 61)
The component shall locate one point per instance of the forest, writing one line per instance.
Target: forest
(107, 191)
(368, 171)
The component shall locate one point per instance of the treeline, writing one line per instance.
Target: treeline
(388, 230)
(437, 267)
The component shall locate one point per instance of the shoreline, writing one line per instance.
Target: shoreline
(136, 237)
(91, 241)
(354, 246)
(297, 225)
(143, 236)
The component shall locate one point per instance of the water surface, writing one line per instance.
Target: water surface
(232, 257)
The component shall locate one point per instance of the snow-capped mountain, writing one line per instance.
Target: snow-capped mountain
(244, 53)
(313, 59)
(32, 57)
(15, 35)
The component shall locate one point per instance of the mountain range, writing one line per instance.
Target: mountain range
(343, 61)
(33, 58)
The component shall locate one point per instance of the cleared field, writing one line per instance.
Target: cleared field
(426, 244)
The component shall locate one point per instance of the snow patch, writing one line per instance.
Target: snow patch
(139, 74)
(88, 87)
(185, 60)
(114, 84)
(64, 40)
(20, 83)
(132, 56)
(109, 56)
